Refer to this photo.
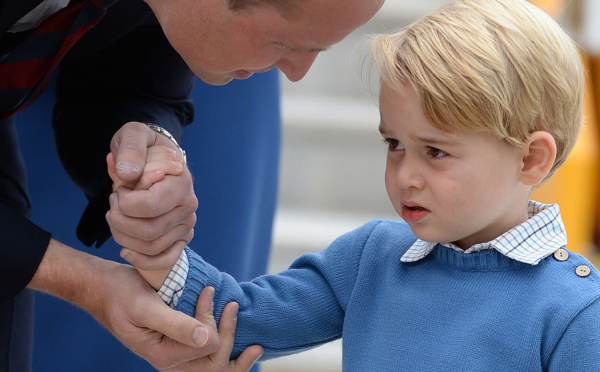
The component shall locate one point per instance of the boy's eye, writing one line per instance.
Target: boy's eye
(436, 153)
(393, 144)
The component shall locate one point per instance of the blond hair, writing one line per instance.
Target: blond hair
(499, 66)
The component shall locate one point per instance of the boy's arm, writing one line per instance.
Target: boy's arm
(285, 313)
(299, 308)
(295, 310)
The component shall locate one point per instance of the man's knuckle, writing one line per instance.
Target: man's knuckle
(193, 219)
(151, 206)
(191, 203)
(148, 232)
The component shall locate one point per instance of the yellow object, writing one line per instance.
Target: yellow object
(551, 7)
(575, 185)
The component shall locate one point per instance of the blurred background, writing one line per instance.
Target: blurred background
(330, 180)
(333, 158)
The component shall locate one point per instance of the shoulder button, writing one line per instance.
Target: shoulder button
(583, 270)
(561, 254)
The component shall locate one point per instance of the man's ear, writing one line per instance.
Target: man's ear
(538, 157)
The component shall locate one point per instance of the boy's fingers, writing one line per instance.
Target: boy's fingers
(160, 161)
(219, 360)
(158, 152)
(227, 331)
(164, 158)
(227, 326)
(149, 178)
(204, 311)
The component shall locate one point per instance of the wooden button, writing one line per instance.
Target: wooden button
(583, 270)
(561, 254)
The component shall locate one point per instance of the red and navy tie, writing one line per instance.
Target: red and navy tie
(25, 68)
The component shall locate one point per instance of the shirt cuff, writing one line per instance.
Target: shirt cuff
(173, 286)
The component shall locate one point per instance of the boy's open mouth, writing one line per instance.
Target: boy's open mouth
(414, 213)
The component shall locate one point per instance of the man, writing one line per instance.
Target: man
(121, 72)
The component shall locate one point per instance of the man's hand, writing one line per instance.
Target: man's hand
(160, 161)
(159, 219)
(120, 299)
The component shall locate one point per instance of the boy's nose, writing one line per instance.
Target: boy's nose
(296, 64)
(407, 176)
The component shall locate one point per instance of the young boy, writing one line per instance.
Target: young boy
(480, 101)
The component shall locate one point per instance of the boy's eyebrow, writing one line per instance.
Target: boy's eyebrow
(382, 128)
(426, 138)
(434, 139)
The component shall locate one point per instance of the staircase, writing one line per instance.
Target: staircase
(333, 158)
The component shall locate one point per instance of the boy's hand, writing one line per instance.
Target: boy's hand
(160, 162)
(149, 220)
(219, 361)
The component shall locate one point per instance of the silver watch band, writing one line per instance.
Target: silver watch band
(164, 132)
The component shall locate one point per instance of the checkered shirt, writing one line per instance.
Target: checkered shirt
(173, 286)
(530, 242)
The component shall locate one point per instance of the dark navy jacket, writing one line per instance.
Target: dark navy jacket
(122, 70)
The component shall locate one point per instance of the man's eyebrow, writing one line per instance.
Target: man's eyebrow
(297, 48)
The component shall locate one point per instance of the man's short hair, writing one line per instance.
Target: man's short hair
(499, 66)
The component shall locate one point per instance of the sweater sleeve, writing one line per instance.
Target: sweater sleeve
(295, 310)
(579, 347)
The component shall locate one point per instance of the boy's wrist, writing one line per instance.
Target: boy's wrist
(155, 278)
(174, 283)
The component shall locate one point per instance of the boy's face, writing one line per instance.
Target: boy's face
(463, 188)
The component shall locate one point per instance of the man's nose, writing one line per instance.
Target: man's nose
(296, 64)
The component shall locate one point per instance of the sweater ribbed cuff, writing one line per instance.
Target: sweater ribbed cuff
(197, 280)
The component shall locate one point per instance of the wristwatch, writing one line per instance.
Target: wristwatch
(164, 132)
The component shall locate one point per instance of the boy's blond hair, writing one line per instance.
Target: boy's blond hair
(499, 66)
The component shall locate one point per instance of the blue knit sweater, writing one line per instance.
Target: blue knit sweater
(447, 312)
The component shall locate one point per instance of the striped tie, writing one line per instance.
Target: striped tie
(25, 69)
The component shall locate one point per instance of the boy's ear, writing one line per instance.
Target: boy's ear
(538, 157)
